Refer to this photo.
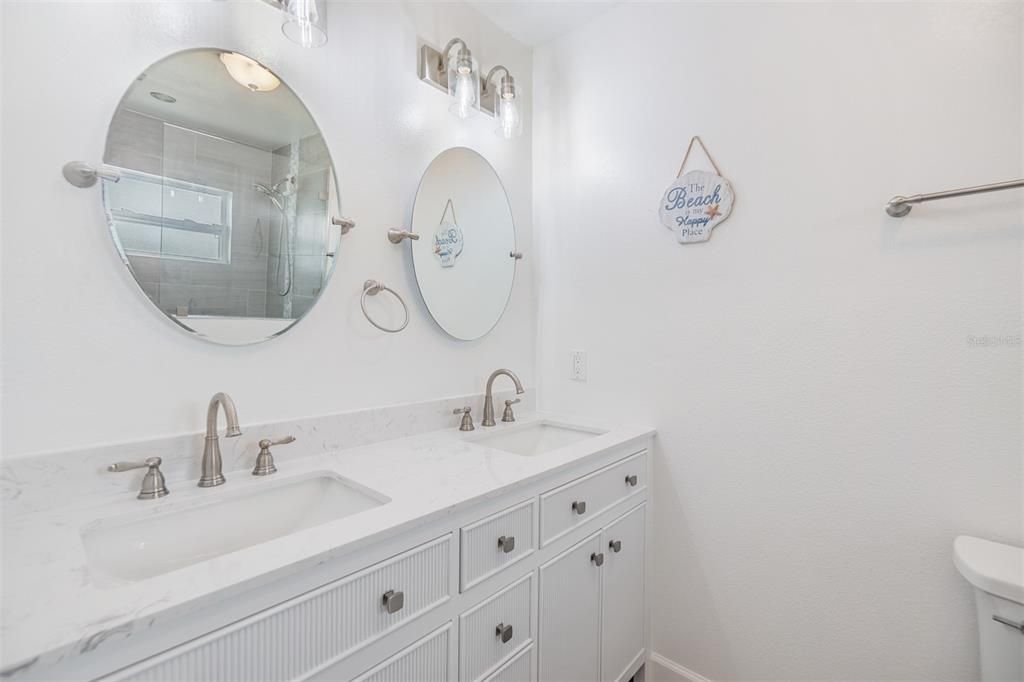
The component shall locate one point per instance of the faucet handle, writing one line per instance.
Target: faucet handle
(266, 442)
(508, 415)
(265, 460)
(467, 418)
(153, 485)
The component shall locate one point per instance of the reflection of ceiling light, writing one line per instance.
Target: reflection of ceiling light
(249, 73)
(163, 97)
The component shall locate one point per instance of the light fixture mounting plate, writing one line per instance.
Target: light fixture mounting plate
(432, 68)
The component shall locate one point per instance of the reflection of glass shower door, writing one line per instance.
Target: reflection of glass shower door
(234, 284)
(311, 166)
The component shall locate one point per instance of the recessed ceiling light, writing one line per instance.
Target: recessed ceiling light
(249, 72)
(163, 97)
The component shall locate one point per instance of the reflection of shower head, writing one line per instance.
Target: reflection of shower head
(281, 189)
(273, 194)
(277, 194)
(285, 185)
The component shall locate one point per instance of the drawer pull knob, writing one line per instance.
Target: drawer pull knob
(504, 632)
(615, 546)
(394, 601)
(631, 480)
(597, 558)
(507, 543)
(580, 507)
(1010, 623)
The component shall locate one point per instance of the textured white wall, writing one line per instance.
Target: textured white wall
(825, 428)
(86, 359)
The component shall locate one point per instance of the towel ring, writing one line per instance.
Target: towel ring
(372, 287)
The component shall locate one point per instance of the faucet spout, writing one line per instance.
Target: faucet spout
(488, 419)
(212, 466)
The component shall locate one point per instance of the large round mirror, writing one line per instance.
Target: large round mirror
(225, 189)
(465, 258)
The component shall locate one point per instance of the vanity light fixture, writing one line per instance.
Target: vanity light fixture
(249, 73)
(305, 21)
(504, 102)
(454, 72)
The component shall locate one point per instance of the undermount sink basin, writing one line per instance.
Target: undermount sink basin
(145, 546)
(536, 438)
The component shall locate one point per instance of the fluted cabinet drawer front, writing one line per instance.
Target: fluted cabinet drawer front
(481, 648)
(492, 544)
(423, 661)
(519, 669)
(310, 632)
(576, 502)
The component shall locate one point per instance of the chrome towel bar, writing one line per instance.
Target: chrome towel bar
(900, 206)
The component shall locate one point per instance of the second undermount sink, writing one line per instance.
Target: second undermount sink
(149, 545)
(535, 438)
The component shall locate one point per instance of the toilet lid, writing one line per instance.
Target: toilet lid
(990, 566)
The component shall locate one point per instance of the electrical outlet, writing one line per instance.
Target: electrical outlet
(578, 370)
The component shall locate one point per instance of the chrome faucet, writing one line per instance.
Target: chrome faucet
(211, 470)
(489, 397)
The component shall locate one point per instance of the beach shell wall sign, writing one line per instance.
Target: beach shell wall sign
(696, 202)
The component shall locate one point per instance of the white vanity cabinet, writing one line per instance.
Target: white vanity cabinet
(593, 605)
(545, 581)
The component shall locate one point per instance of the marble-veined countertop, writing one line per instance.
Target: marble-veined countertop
(55, 606)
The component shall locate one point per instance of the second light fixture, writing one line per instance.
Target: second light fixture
(504, 102)
(455, 71)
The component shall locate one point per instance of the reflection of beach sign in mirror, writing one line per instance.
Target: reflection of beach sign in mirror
(447, 243)
(694, 204)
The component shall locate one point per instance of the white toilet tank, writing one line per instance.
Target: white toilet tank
(997, 573)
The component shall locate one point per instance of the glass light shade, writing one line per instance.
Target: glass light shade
(248, 72)
(307, 22)
(464, 84)
(509, 112)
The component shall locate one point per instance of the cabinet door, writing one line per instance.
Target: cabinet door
(570, 613)
(623, 598)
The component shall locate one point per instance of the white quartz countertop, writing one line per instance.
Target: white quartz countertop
(54, 607)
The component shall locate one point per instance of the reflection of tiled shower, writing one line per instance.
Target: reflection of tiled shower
(246, 287)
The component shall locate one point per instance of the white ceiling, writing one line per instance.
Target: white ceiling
(535, 22)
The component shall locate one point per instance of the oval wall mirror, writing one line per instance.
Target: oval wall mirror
(464, 259)
(222, 210)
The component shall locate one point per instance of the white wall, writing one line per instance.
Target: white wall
(825, 428)
(87, 359)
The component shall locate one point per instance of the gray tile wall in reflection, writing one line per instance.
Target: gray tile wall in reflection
(238, 288)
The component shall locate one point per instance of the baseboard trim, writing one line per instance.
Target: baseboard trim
(663, 669)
